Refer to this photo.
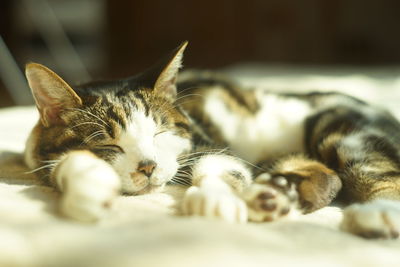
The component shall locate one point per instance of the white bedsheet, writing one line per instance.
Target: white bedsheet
(146, 230)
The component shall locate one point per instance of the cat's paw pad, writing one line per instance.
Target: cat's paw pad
(88, 189)
(270, 198)
(376, 219)
(214, 203)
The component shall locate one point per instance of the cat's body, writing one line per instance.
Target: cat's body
(336, 129)
(139, 133)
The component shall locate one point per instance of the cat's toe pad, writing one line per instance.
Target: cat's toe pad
(269, 199)
(376, 219)
(214, 203)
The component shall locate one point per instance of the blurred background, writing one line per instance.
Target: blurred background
(101, 39)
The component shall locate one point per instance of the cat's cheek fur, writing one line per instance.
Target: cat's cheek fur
(168, 149)
(164, 173)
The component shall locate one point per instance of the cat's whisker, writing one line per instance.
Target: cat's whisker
(180, 183)
(88, 122)
(249, 163)
(187, 89)
(180, 104)
(181, 180)
(188, 161)
(203, 153)
(175, 105)
(41, 168)
(189, 95)
(181, 177)
(91, 114)
(92, 136)
(187, 164)
(189, 157)
(183, 172)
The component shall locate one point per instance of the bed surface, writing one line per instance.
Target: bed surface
(148, 231)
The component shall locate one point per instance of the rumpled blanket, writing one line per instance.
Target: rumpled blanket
(148, 230)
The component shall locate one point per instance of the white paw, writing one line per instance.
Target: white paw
(214, 201)
(89, 186)
(376, 219)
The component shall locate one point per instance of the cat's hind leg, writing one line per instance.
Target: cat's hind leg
(377, 191)
(88, 185)
(363, 145)
(292, 184)
(374, 183)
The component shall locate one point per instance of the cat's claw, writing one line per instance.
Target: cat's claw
(376, 219)
(220, 203)
(270, 198)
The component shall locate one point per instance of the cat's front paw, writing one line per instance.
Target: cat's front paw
(217, 201)
(270, 198)
(89, 186)
(376, 219)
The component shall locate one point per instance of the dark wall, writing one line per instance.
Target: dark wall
(135, 33)
(230, 31)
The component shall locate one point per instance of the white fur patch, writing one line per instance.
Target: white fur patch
(89, 185)
(277, 128)
(212, 167)
(211, 196)
(214, 199)
(141, 141)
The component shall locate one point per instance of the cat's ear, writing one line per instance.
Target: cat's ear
(162, 76)
(51, 93)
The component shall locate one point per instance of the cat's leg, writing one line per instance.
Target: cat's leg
(373, 182)
(367, 160)
(87, 184)
(292, 184)
(218, 180)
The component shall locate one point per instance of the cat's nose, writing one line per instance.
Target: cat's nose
(147, 167)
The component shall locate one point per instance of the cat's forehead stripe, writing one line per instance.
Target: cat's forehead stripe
(141, 99)
(118, 115)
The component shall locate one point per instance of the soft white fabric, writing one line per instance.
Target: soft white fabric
(147, 230)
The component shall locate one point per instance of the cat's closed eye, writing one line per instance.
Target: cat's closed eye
(113, 148)
(160, 132)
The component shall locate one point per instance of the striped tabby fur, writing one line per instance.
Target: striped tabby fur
(248, 154)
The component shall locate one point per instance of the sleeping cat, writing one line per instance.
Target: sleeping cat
(247, 154)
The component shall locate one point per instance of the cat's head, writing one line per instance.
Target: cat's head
(134, 123)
